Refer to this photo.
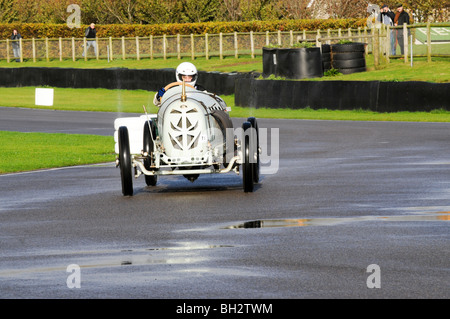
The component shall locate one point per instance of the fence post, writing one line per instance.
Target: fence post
(388, 44)
(329, 36)
(60, 49)
(317, 38)
(252, 45)
(21, 50)
(192, 47)
(97, 48)
(405, 42)
(178, 47)
(291, 37)
(279, 37)
(365, 41)
(73, 49)
(428, 41)
(206, 47)
(267, 38)
(304, 34)
(220, 46)
(138, 55)
(84, 49)
(7, 50)
(110, 49)
(164, 46)
(376, 46)
(46, 49)
(151, 46)
(236, 54)
(33, 48)
(123, 48)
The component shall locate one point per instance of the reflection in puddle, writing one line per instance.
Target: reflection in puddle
(185, 253)
(440, 216)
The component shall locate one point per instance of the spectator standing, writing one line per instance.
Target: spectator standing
(387, 17)
(15, 44)
(401, 17)
(91, 34)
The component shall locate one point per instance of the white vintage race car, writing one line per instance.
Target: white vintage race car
(192, 134)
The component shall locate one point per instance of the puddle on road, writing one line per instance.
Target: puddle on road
(302, 222)
(186, 253)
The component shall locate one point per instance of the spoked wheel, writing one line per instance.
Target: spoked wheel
(257, 165)
(125, 162)
(248, 153)
(150, 180)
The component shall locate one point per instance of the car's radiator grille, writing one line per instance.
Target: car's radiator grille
(184, 130)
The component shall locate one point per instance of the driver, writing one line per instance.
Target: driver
(185, 71)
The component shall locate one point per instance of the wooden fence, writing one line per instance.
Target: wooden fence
(209, 45)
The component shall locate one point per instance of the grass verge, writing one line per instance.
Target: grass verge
(125, 101)
(31, 151)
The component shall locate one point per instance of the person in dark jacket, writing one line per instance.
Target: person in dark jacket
(15, 44)
(401, 17)
(91, 34)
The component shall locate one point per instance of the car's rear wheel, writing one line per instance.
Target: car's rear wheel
(150, 180)
(125, 162)
(256, 166)
(248, 146)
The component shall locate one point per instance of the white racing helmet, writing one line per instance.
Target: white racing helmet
(186, 68)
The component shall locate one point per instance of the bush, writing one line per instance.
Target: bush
(41, 30)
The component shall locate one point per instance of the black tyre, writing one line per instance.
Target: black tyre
(257, 165)
(348, 56)
(347, 64)
(126, 174)
(348, 47)
(224, 121)
(326, 48)
(247, 165)
(326, 57)
(150, 180)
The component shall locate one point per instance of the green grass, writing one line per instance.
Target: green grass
(96, 100)
(397, 70)
(125, 101)
(31, 151)
(227, 64)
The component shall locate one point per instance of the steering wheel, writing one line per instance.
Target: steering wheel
(170, 85)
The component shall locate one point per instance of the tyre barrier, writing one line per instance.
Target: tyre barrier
(114, 78)
(348, 58)
(343, 95)
(292, 63)
(269, 61)
(326, 57)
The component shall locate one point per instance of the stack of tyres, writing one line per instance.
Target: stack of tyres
(348, 58)
(326, 57)
(299, 63)
(269, 61)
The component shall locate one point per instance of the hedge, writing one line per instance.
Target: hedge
(40, 30)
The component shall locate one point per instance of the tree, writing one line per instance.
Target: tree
(294, 9)
(199, 10)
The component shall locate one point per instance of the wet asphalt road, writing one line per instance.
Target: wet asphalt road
(346, 195)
